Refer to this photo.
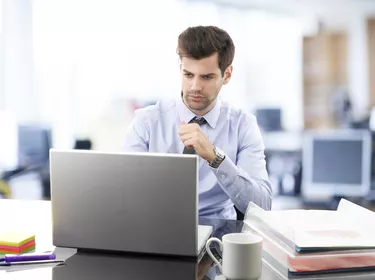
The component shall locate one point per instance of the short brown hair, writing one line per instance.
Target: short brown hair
(203, 41)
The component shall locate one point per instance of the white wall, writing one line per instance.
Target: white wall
(2, 105)
(17, 69)
(337, 15)
(268, 60)
(358, 66)
(81, 61)
(274, 68)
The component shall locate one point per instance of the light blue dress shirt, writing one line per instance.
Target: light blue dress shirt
(242, 176)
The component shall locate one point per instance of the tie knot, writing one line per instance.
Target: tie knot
(199, 121)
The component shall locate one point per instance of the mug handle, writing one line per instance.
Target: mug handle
(208, 243)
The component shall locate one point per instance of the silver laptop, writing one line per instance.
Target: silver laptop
(130, 202)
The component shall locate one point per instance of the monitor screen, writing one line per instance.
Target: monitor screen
(269, 119)
(34, 143)
(336, 163)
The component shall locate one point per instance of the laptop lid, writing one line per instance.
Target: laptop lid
(204, 233)
(133, 202)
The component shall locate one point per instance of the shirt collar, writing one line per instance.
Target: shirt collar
(186, 115)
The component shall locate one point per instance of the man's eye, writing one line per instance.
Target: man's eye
(188, 75)
(207, 77)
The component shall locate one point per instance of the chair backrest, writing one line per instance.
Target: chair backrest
(34, 143)
(83, 144)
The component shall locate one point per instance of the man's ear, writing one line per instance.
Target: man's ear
(228, 74)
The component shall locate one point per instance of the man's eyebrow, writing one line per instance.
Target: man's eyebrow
(202, 75)
(209, 74)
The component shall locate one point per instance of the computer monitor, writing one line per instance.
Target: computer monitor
(336, 164)
(34, 142)
(269, 119)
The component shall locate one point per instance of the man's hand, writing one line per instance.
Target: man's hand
(192, 135)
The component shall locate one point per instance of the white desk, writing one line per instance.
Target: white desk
(28, 215)
(35, 216)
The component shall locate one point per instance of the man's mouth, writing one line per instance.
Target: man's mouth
(196, 97)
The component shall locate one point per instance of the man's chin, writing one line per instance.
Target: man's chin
(197, 107)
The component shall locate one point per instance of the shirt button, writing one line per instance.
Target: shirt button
(223, 177)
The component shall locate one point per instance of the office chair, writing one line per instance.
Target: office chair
(34, 143)
(83, 144)
(5, 190)
(240, 215)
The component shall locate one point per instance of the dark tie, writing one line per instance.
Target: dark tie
(191, 150)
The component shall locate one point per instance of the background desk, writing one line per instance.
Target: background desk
(36, 216)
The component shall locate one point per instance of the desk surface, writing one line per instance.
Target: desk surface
(36, 215)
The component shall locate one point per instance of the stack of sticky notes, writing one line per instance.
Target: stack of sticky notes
(16, 242)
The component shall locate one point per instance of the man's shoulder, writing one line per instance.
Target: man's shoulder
(237, 113)
(246, 124)
(156, 110)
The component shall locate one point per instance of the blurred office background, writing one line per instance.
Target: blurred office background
(73, 72)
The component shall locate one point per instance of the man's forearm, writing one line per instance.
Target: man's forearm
(242, 188)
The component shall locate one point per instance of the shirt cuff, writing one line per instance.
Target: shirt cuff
(226, 173)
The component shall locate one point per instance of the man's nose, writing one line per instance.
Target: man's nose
(196, 85)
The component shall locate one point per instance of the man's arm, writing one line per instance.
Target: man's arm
(243, 181)
(246, 180)
(137, 136)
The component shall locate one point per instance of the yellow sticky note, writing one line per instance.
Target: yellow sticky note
(15, 238)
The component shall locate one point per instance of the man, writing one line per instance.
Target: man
(232, 163)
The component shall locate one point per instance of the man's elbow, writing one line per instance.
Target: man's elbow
(263, 199)
(267, 205)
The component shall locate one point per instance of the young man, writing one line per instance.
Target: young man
(228, 141)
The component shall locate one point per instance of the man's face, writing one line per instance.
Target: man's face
(201, 82)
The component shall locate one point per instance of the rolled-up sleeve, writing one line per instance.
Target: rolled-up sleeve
(246, 180)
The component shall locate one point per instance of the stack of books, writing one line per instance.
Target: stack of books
(16, 242)
(307, 242)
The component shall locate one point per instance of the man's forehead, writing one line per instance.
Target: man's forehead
(200, 66)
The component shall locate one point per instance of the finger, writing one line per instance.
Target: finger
(194, 134)
(187, 128)
(191, 142)
(193, 139)
(190, 126)
(186, 136)
(184, 130)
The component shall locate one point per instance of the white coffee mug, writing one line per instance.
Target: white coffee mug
(242, 255)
